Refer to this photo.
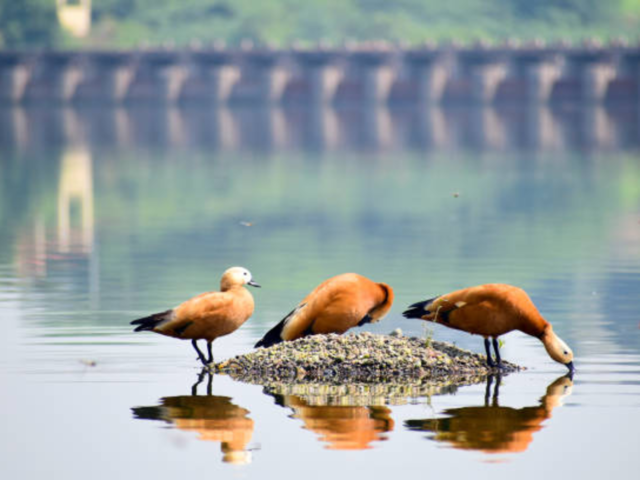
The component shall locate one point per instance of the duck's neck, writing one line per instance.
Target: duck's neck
(226, 286)
(385, 304)
(536, 327)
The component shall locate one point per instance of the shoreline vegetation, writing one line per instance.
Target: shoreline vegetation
(283, 23)
(407, 365)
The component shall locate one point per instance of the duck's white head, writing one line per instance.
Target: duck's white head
(557, 349)
(236, 276)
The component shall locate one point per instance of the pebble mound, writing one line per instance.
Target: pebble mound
(360, 358)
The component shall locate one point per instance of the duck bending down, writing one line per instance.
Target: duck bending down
(492, 310)
(207, 316)
(334, 306)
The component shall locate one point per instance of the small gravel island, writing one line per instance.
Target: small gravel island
(361, 358)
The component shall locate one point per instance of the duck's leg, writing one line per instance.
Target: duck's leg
(194, 387)
(487, 347)
(496, 391)
(210, 352)
(487, 392)
(496, 348)
(200, 354)
(209, 383)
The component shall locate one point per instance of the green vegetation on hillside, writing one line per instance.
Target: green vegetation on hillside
(127, 23)
(28, 23)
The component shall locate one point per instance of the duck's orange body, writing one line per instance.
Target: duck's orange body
(334, 306)
(488, 310)
(207, 316)
(492, 310)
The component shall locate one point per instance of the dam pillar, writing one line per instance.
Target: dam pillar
(539, 70)
(594, 70)
(486, 69)
(15, 72)
(167, 73)
(430, 74)
(219, 71)
(270, 74)
(377, 73)
(113, 73)
(323, 74)
(62, 72)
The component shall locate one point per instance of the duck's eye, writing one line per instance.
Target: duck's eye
(245, 274)
(566, 353)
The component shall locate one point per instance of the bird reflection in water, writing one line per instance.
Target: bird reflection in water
(214, 418)
(342, 427)
(492, 428)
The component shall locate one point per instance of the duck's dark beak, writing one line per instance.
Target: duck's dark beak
(571, 368)
(253, 284)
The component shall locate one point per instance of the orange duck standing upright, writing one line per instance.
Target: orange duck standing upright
(207, 316)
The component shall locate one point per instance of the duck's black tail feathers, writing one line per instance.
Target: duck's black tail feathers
(417, 310)
(152, 321)
(272, 336)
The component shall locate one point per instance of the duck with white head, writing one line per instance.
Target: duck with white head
(207, 316)
(492, 310)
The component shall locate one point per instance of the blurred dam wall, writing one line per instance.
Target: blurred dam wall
(367, 74)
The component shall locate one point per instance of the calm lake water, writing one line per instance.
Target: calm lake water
(110, 214)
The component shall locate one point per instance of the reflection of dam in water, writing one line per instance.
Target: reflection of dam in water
(535, 128)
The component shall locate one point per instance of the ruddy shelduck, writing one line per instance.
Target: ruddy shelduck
(334, 306)
(492, 310)
(207, 316)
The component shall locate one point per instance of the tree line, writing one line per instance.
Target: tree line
(131, 23)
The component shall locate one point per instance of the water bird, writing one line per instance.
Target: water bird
(207, 316)
(492, 310)
(336, 305)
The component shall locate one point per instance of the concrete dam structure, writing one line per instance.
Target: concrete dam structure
(370, 74)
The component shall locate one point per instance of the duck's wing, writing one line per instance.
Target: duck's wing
(197, 312)
(443, 305)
